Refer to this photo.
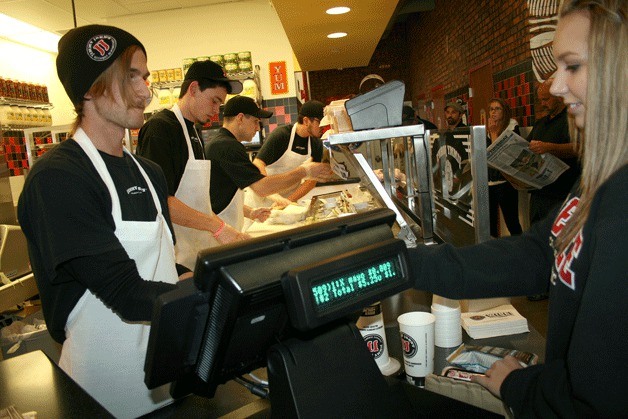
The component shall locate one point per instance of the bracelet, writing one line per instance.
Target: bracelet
(217, 232)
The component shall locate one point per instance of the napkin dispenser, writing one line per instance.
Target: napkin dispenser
(378, 108)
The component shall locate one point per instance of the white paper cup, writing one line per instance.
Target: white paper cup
(417, 341)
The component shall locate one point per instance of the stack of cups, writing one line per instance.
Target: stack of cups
(447, 328)
(371, 326)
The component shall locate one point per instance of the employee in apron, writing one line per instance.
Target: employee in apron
(289, 146)
(170, 139)
(97, 224)
(232, 170)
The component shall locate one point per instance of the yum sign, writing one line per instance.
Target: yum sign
(278, 77)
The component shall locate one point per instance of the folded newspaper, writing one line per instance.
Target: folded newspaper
(498, 321)
(511, 155)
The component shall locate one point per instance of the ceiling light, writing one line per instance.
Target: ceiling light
(337, 35)
(337, 10)
(27, 34)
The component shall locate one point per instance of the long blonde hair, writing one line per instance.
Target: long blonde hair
(603, 143)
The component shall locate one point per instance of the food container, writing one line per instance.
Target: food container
(231, 68)
(202, 58)
(244, 56)
(230, 58)
(218, 59)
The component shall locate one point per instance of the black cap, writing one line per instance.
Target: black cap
(86, 52)
(245, 105)
(209, 70)
(312, 109)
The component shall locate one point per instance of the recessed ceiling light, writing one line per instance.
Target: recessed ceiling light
(337, 10)
(337, 35)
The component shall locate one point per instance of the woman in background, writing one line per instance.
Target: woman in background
(578, 251)
(501, 194)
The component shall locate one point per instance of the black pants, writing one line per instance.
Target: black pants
(506, 197)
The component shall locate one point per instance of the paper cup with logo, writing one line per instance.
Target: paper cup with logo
(417, 341)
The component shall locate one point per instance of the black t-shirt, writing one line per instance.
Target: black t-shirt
(277, 143)
(162, 141)
(556, 130)
(231, 169)
(65, 213)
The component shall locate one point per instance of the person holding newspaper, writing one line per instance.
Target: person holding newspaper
(550, 134)
(501, 194)
(578, 252)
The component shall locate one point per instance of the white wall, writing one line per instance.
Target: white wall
(169, 37)
(248, 25)
(34, 66)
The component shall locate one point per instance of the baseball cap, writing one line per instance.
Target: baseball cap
(312, 109)
(86, 52)
(245, 105)
(209, 70)
(455, 105)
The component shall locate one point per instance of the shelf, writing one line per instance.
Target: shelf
(233, 76)
(22, 102)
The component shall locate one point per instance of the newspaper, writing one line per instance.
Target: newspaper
(511, 155)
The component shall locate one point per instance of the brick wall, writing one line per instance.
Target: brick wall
(438, 48)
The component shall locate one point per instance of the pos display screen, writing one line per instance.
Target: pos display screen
(330, 289)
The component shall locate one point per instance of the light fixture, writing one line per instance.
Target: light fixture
(26, 34)
(337, 35)
(338, 10)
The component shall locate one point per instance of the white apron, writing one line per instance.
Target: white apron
(233, 214)
(288, 161)
(102, 353)
(193, 191)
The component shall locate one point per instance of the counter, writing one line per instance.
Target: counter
(33, 382)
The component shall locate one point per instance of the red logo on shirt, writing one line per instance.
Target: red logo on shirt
(564, 260)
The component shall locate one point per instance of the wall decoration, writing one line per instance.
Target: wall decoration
(543, 19)
(278, 77)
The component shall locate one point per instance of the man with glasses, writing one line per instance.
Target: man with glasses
(169, 138)
(289, 146)
(232, 171)
(97, 224)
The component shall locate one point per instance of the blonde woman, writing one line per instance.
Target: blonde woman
(578, 252)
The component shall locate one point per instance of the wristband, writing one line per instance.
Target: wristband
(217, 232)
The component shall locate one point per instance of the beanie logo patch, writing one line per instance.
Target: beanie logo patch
(101, 47)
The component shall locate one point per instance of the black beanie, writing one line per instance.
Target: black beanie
(86, 52)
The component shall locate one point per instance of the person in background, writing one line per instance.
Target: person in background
(501, 194)
(232, 171)
(550, 134)
(410, 117)
(97, 223)
(289, 146)
(578, 251)
(170, 139)
(453, 115)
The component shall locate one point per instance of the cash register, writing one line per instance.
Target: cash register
(286, 301)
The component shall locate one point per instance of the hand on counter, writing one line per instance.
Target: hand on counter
(495, 376)
(279, 202)
(260, 214)
(319, 171)
(230, 234)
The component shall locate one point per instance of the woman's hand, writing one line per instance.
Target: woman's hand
(260, 214)
(495, 376)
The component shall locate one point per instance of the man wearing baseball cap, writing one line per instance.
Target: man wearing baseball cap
(97, 224)
(453, 115)
(289, 146)
(232, 171)
(170, 139)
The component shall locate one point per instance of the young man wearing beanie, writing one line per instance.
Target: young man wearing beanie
(232, 171)
(453, 115)
(170, 139)
(289, 146)
(97, 224)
